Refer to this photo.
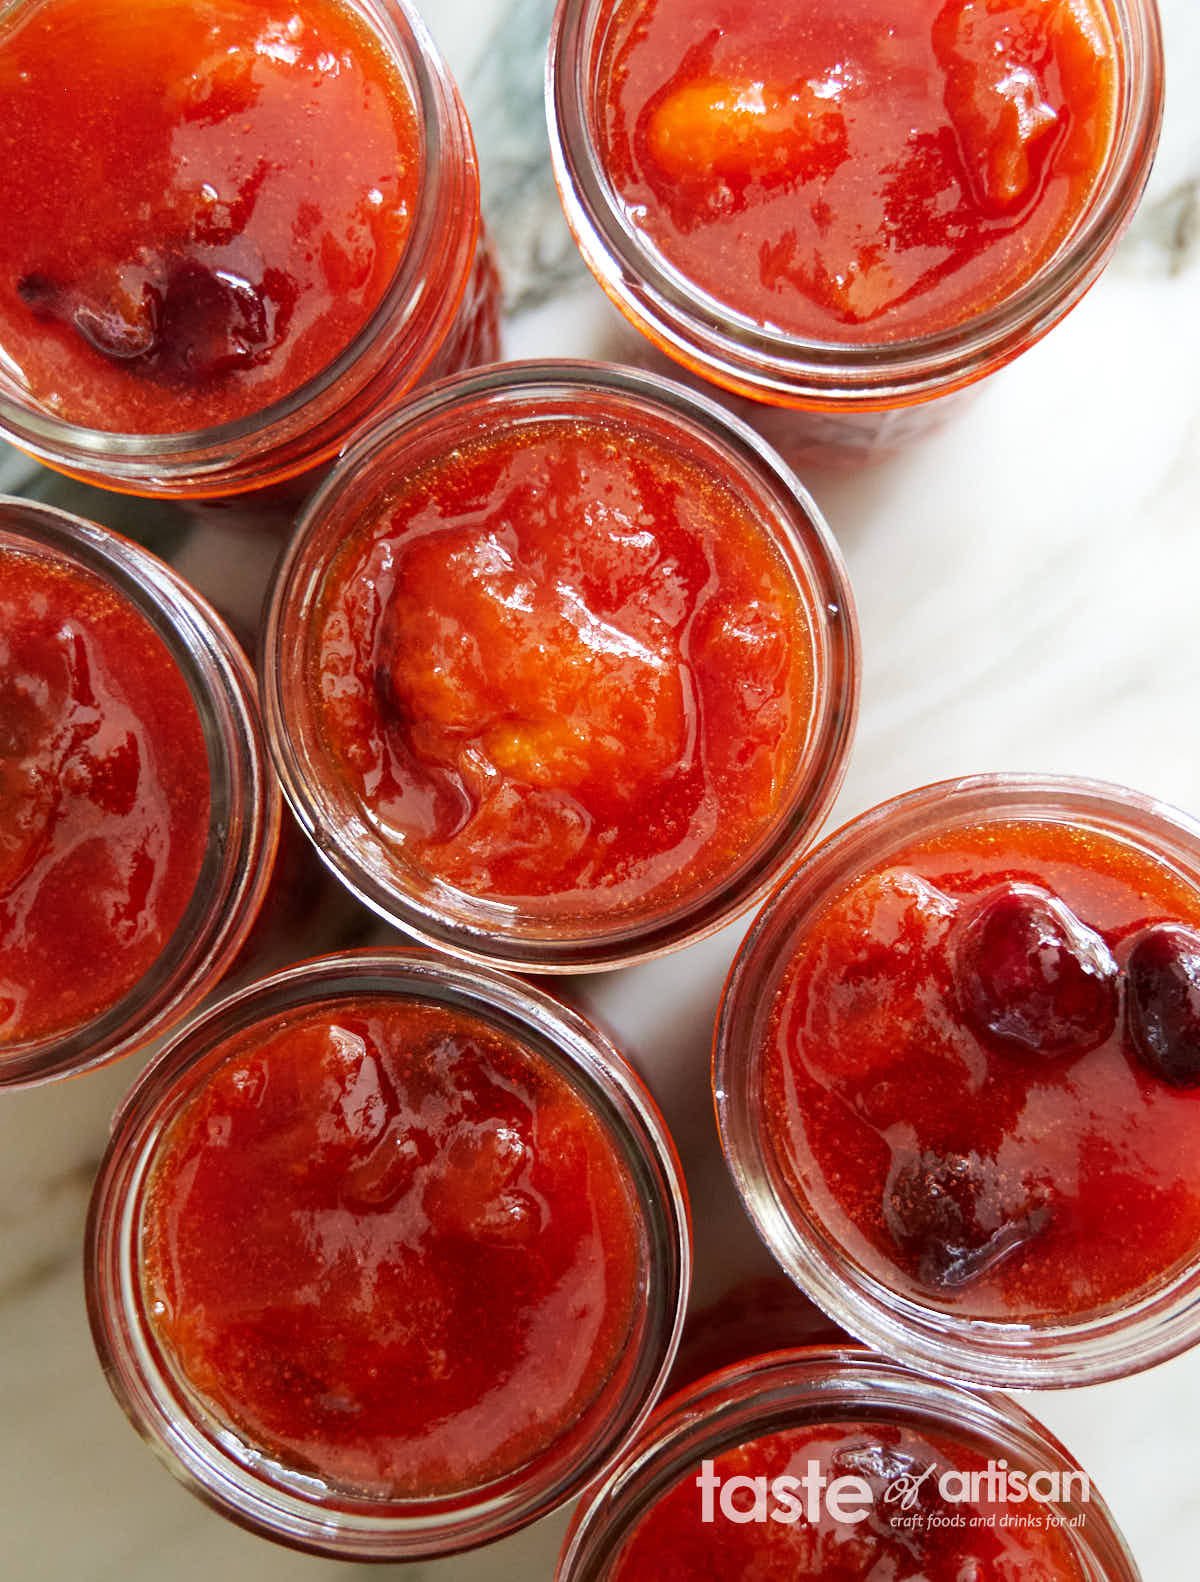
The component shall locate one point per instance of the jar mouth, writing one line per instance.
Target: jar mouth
(245, 804)
(815, 1386)
(300, 1510)
(498, 932)
(1125, 1337)
(785, 369)
(393, 348)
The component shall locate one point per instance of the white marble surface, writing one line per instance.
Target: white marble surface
(1028, 589)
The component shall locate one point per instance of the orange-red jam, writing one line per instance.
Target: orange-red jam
(983, 1070)
(566, 667)
(391, 1247)
(847, 1502)
(203, 202)
(104, 796)
(864, 171)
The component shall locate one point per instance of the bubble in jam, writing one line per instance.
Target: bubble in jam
(391, 1247)
(973, 1074)
(861, 172)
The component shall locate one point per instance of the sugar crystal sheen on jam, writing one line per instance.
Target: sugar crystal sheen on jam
(957, 1078)
(565, 667)
(875, 170)
(391, 1247)
(687, 1535)
(204, 203)
(104, 796)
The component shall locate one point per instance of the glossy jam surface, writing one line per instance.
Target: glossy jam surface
(204, 202)
(951, 1085)
(104, 796)
(867, 171)
(391, 1247)
(565, 667)
(933, 1539)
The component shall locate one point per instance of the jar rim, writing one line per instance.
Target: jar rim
(392, 349)
(793, 524)
(784, 369)
(1116, 1341)
(814, 1384)
(304, 1514)
(246, 807)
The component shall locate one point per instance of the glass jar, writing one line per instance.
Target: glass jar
(938, 1320)
(794, 1390)
(431, 427)
(439, 312)
(297, 1508)
(835, 401)
(244, 803)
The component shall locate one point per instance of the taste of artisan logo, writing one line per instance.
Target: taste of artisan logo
(935, 1497)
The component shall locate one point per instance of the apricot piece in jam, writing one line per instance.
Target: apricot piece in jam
(875, 171)
(743, 128)
(565, 666)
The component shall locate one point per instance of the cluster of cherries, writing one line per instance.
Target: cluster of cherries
(1036, 981)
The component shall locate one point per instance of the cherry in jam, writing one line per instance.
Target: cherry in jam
(777, 1536)
(976, 1069)
(1033, 979)
(957, 1215)
(184, 320)
(204, 204)
(1163, 975)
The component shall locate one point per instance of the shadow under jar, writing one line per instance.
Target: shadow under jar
(138, 813)
(907, 1478)
(232, 233)
(850, 211)
(957, 1078)
(388, 1257)
(561, 667)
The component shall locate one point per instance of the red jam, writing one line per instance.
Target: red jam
(565, 667)
(203, 202)
(391, 1247)
(863, 171)
(934, 1537)
(104, 796)
(983, 1071)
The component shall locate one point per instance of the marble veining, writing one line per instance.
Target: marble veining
(1026, 583)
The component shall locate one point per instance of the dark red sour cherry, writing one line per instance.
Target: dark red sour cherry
(957, 1215)
(186, 319)
(1033, 979)
(1163, 1003)
(214, 321)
